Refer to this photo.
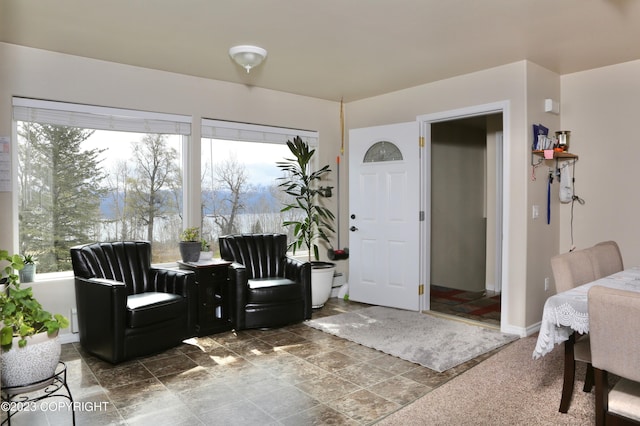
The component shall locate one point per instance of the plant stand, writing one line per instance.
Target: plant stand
(14, 399)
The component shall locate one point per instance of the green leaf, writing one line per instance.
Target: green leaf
(6, 336)
(64, 322)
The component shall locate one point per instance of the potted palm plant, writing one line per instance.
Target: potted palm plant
(28, 333)
(315, 223)
(190, 244)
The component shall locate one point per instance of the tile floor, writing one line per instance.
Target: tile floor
(294, 375)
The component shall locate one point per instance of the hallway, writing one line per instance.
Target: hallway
(477, 306)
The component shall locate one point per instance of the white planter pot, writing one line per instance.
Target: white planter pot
(28, 273)
(35, 362)
(321, 282)
(205, 255)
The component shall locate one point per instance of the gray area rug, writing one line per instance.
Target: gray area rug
(435, 343)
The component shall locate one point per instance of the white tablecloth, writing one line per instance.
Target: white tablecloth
(567, 311)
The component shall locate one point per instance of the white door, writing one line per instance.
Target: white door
(384, 202)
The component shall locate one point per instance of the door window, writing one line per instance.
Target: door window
(382, 151)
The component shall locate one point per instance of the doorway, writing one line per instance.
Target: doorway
(381, 256)
(465, 217)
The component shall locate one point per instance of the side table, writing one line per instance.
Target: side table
(15, 399)
(212, 281)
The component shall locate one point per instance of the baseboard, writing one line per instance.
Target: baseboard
(520, 331)
(69, 338)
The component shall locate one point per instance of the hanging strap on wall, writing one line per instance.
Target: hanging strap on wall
(341, 127)
(550, 181)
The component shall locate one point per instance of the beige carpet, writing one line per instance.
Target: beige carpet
(509, 388)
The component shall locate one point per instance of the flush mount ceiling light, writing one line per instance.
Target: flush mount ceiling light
(248, 56)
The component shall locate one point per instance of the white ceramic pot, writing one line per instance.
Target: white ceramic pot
(205, 255)
(321, 282)
(36, 361)
(28, 273)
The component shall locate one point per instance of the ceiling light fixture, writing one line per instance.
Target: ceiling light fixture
(248, 56)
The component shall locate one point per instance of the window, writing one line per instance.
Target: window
(89, 173)
(382, 151)
(239, 177)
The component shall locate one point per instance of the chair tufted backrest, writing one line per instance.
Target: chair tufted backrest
(261, 254)
(124, 261)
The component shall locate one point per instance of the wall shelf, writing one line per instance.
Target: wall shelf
(557, 155)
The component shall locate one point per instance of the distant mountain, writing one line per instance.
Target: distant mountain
(258, 200)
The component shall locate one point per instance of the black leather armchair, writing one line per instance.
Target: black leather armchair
(268, 288)
(125, 307)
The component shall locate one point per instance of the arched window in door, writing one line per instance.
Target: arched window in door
(382, 151)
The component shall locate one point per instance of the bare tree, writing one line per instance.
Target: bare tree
(156, 174)
(227, 199)
(118, 191)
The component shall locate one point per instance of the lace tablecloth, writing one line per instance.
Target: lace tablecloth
(567, 312)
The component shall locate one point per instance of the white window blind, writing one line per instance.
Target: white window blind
(235, 131)
(99, 118)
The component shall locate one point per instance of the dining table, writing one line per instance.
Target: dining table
(567, 312)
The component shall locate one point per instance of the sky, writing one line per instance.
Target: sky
(259, 158)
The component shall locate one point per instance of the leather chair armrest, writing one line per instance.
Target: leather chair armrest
(178, 281)
(238, 292)
(293, 268)
(101, 305)
(300, 272)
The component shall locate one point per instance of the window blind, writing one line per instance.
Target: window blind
(236, 131)
(99, 118)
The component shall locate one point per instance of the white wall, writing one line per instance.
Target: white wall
(601, 107)
(542, 238)
(47, 75)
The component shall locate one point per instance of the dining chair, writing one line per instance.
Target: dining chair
(606, 258)
(615, 349)
(571, 270)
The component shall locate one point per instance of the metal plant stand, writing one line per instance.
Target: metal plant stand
(15, 399)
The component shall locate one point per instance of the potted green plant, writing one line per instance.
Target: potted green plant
(28, 333)
(315, 223)
(190, 244)
(205, 250)
(28, 272)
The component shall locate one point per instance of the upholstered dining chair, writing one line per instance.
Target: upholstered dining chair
(614, 326)
(571, 270)
(606, 259)
(269, 289)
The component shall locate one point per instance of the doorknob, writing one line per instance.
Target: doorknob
(353, 228)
